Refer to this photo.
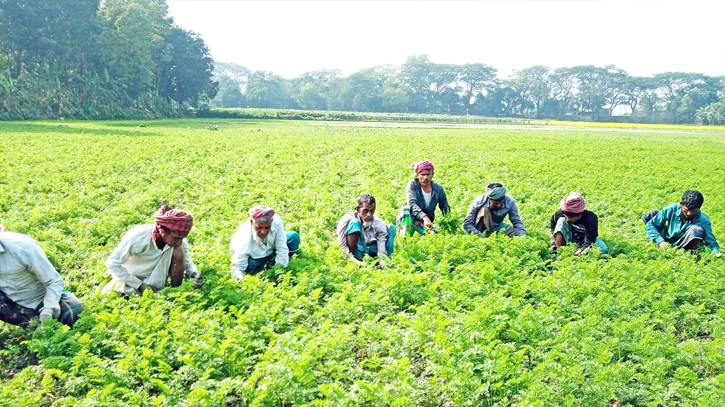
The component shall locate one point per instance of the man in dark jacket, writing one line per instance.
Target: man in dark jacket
(423, 195)
(572, 223)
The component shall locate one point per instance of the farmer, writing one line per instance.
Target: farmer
(487, 212)
(260, 240)
(681, 224)
(423, 195)
(572, 223)
(30, 286)
(361, 232)
(149, 254)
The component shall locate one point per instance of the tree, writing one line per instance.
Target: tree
(133, 42)
(310, 97)
(394, 98)
(533, 84)
(633, 88)
(187, 76)
(675, 85)
(266, 90)
(476, 78)
(563, 81)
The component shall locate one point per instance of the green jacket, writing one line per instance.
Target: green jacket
(668, 226)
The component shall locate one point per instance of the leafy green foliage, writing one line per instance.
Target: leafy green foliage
(452, 320)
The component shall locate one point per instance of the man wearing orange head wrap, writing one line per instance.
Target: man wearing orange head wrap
(149, 254)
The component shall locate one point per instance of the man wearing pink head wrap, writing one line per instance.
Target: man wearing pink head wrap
(259, 241)
(572, 223)
(423, 195)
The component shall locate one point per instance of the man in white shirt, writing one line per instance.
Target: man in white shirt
(149, 254)
(260, 240)
(30, 286)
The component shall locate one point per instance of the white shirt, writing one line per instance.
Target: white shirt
(26, 275)
(137, 257)
(245, 244)
(427, 196)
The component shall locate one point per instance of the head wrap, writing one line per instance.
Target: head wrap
(261, 210)
(574, 203)
(423, 165)
(496, 193)
(174, 220)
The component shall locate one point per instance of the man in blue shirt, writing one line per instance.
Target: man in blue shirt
(487, 212)
(681, 224)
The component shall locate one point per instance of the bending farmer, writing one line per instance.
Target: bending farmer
(422, 195)
(572, 223)
(149, 254)
(259, 241)
(681, 224)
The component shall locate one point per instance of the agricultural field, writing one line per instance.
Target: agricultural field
(454, 320)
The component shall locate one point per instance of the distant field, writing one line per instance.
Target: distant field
(409, 118)
(454, 321)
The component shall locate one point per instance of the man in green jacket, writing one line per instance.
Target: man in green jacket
(681, 224)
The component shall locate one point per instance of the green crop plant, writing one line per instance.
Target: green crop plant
(453, 320)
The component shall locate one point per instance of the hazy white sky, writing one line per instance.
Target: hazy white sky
(290, 38)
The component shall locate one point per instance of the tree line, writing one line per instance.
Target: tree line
(93, 59)
(421, 86)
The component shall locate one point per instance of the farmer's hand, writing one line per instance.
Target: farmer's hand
(427, 223)
(663, 244)
(45, 315)
(198, 281)
(578, 252)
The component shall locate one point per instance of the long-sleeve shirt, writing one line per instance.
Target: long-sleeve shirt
(668, 226)
(497, 215)
(417, 204)
(377, 232)
(245, 244)
(136, 257)
(584, 231)
(26, 275)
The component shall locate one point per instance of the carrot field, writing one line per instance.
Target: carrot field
(454, 320)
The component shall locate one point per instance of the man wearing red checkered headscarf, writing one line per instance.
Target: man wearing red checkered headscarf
(148, 255)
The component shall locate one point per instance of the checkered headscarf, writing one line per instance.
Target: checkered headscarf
(261, 210)
(174, 220)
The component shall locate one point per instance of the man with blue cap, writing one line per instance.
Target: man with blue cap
(487, 212)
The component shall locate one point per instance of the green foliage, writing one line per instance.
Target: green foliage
(88, 59)
(452, 320)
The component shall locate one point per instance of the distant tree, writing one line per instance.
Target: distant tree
(675, 85)
(712, 114)
(187, 76)
(266, 90)
(475, 79)
(310, 97)
(394, 98)
(233, 79)
(633, 88)
(563, 84)
(533, 84)
(415, 75)
(133, 42)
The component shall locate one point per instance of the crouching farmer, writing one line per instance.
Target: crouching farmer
(571, 223)
(261, 240)
(29, 285)
(422, 195)
(681, 225)
(487, 212)
(149, 255)
(361, 232)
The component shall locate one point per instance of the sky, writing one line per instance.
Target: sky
(644, 37)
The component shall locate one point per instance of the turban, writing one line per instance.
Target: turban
(574, 203)
(496, 193)
(261, 210)
(423, 165)
(173, 220)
